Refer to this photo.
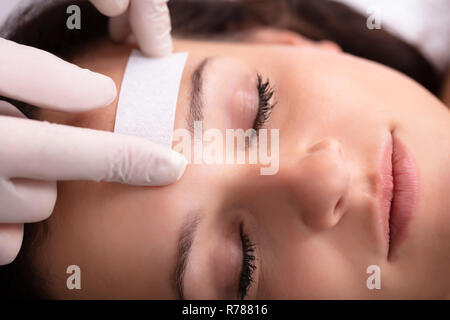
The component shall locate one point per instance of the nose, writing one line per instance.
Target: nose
(318, 181)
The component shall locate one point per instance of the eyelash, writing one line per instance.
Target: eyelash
(248, 264)
(266, 93)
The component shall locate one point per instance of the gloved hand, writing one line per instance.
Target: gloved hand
(35, 154)
(147, 20)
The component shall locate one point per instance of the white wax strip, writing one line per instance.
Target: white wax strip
(148, 97)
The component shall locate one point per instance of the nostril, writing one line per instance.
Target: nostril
(338, 212)
(320, 183)
(340, 207)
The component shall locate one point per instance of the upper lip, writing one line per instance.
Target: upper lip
(399, 188)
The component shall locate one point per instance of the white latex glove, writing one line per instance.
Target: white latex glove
(147, 20)
(35, 154)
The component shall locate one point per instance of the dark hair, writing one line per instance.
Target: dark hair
(43, 25)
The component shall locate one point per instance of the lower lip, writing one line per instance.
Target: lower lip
(405, 191)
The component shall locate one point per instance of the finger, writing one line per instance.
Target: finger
(42, 79)
(11, 236)
(7, 109)
(40, 150)
(25, 200)
(150, 23)
(131, 40)
(111, 8)
(119, 27)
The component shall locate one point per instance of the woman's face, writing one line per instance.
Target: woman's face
(313, 228)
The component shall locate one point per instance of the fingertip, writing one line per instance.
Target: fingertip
(151, 24)
(136, 161)
(171, 171)
(11, 237)
(111, 8)
(161, 49)
(103, 90)
(110, 90)
(180, 164)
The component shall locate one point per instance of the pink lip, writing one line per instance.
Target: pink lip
(399, 192)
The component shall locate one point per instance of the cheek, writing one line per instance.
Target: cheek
(121, 237)
(311, 268)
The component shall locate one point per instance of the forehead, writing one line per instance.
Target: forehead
(290, 64)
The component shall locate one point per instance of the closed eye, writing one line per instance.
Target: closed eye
(266, 93)
(248, 264)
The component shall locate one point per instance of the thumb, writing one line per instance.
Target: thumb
(111, 8)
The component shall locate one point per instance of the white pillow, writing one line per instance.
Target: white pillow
(423, 23)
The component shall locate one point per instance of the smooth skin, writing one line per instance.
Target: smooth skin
(335, 113)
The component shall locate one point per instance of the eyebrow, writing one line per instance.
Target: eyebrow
(184, 248)
(197, 104)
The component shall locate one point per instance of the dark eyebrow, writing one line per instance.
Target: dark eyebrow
(197, 104)
(184, 247)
